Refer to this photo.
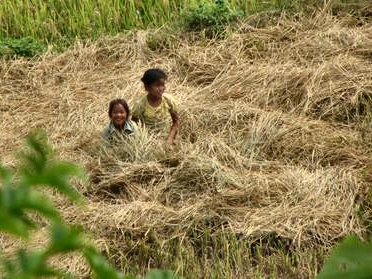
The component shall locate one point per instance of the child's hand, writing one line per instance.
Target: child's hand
(169, 144)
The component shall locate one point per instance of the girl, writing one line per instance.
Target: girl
(120, 127)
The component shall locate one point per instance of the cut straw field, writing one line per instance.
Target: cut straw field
(273, 161)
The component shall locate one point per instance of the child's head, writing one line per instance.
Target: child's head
(118, 112)
(154, 81)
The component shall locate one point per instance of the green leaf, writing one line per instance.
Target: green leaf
(31, 199)
(100, 266)
(13, 225)
(30, 262)
(13, 204)
(5, 175)
(9, 266)
(7, 196)
(34, 263)
(26, 46)
(65, 239)
(34, 159)
(351, 259)
(57, 175)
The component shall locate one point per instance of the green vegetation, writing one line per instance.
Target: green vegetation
(28, 26)
(211, 15)
(27, 47)
(351, 259)
(22, 201)
(56, 20)
(63, 21)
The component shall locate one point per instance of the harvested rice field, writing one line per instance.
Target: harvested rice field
(272, 165)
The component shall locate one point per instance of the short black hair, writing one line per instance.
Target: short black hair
(153, 75)
(115, 102)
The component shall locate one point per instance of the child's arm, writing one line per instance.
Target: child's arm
(174, 128)
(136, 111)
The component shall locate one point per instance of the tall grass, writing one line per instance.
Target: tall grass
(65, 19)
(56, 20)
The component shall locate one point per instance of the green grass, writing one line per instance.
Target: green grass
(26, 46)
(63, 21)
(55, 20)
(218, 255)
(28, 26)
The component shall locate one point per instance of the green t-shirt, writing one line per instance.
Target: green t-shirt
(155, 118)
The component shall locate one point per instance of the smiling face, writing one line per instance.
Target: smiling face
(118, 116)
(156, 89)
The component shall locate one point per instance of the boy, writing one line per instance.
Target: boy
(156, 110)
(120, 126)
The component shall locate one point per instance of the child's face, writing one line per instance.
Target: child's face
(156, 89)
(118, 115)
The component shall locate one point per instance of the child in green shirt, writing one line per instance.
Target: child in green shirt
(156, 110)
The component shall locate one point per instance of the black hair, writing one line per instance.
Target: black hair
(115, 102)
(153, 75)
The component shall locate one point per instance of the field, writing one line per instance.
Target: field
(273, 161)
(56, 20)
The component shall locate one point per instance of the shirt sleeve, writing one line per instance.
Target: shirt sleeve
(106, 136)
(173, 108)
(137, 109)
(133, 127)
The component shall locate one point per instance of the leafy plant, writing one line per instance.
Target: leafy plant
(211, 15)
(27, 47)
(22, 194)
(351, 259)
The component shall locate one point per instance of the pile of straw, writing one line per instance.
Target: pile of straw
(275, 133)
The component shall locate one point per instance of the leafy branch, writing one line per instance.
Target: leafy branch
(21, 194)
